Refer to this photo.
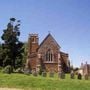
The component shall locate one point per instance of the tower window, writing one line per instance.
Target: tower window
(33, 40)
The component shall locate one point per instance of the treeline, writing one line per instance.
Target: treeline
(13, 52)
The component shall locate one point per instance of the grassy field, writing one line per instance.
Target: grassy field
(29, 82)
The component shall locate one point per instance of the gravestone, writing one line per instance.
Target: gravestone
(34, 73)
(79, 76)
(72, 75)
(27, 71)
(51, 74)
(44, 74)
(61, 75)
(86, 76)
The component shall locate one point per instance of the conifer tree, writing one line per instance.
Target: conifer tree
(12, 47)
(1, 55)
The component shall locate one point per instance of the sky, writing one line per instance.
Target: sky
(67, 20)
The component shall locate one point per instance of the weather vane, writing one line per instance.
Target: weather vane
(49, 31)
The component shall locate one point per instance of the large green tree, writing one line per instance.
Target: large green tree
(12, 47)
(1, 55)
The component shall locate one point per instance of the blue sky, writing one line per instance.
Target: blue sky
(67, 20)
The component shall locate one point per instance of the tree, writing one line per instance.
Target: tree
(24, 54)
(12, 47)
(1, 55)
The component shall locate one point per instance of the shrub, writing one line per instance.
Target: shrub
(8, 69)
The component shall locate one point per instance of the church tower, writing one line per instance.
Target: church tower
(33, 43)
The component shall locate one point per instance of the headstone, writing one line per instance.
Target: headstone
(79, 76)
(51, 74)
(61, 75)
(34, 73)
(72, 75)
(27, 71)
(44, 74)
(86, 76)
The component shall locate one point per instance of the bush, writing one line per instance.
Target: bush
(8, 69)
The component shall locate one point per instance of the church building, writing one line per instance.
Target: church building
(46, 55)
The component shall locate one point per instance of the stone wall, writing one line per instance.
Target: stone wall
(51, 67)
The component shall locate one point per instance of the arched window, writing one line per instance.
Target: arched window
(49, 55)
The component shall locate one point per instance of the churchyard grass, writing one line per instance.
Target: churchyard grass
(30, 82)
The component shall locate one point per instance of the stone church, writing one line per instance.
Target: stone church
(46, 55)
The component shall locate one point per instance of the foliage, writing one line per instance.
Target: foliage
(1, 55)
(12, 47)
(76, 69)
(8, 69)
(24, 54)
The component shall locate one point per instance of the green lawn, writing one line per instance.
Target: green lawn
(29, 82)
